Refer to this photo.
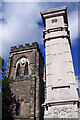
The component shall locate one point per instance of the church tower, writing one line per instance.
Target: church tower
(61, 91)
(26, 67)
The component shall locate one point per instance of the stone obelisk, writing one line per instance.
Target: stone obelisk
(61, 90)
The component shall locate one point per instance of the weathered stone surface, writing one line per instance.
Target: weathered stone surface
(28, 89)
(61, 91)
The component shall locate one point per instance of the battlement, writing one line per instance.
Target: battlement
(26, 47)
(34, 45)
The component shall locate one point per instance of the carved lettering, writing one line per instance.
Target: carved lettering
(62, 111)
(54, 21)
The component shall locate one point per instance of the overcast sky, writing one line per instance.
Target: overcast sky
(21, 23)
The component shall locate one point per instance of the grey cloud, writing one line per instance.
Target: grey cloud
(22, 27)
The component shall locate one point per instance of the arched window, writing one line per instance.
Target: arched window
(18, 109)
(22, 110)
(22, 67)
(26, 69)
(18, 70)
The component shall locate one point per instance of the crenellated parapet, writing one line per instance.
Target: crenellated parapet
(34, 45)
(22, 48)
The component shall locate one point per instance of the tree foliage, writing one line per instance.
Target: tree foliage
(7, 99)
(7, 96)
(2, 70)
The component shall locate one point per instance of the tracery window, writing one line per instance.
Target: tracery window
(22, 67)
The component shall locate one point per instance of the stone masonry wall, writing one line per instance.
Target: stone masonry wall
(28, 90)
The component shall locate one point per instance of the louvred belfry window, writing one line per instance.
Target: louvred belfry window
(22, 67)
(18, 70)
(26, 69)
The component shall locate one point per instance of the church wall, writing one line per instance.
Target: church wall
(27, 89)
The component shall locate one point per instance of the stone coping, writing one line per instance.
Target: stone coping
(53, 10)
(49, 103)
(53, 13)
